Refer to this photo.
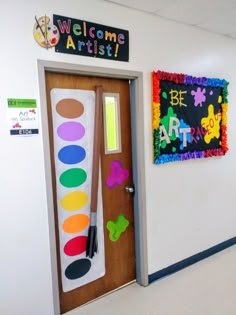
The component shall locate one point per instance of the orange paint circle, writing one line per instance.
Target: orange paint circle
(75, 223)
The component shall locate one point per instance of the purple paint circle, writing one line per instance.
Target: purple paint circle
(71, 131)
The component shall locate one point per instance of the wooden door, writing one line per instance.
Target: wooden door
(120, 254)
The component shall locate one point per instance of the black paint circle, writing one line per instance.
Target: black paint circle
(78, 269)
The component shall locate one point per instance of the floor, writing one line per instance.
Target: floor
(205, 288)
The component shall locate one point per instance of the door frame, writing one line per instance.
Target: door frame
(137, 135)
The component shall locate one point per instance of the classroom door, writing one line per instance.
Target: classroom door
(118, 200)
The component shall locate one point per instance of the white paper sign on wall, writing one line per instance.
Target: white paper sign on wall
(22, 117)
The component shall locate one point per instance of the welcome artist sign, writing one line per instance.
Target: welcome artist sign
(85, 38)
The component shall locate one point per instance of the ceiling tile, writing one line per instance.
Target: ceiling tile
(213, 15)
(224, 23)
(150, 6)
(232, 35)
(194, 12)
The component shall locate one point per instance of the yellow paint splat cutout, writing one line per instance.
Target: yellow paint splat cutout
(211, 124)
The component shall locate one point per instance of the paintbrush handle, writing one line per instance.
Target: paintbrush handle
(96, 148)
(41, 30)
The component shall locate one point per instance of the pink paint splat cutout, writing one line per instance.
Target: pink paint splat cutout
(117, 174)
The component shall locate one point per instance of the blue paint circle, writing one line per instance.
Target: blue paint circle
(71, 154)
(78, 268)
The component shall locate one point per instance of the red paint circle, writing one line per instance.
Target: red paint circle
(76, 246)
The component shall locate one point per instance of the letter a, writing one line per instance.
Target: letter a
(164, 135)
(70, 43)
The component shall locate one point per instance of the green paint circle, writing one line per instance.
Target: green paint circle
(173, 149)
(73, 177)
(164, 95)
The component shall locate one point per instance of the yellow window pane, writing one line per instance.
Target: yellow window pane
(112, 123)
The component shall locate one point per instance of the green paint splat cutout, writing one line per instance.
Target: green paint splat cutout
(117, 227)
(164, 95)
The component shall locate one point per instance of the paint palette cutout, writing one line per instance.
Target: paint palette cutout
(45, 33)
(73, 125)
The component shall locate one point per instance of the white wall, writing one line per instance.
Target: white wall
(190, 205)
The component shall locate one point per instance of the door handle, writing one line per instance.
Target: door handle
(129, 189)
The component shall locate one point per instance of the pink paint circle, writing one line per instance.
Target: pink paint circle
(71, 131)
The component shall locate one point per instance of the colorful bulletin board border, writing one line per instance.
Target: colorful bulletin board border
(89, 39)
(189, 117)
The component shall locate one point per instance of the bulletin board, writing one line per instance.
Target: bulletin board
(189, 117)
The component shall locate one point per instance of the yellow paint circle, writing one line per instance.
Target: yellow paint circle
(219, 99)
(37, 36)
(74, 200)
(75, 223)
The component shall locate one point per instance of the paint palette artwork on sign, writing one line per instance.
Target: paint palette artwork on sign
(189, 117)
(73, 125)
(45, 33)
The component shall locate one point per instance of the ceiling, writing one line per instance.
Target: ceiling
(217, 16)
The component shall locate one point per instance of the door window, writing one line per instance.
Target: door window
(111, 116)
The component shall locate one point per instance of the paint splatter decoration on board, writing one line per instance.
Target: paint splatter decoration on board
(45, 33)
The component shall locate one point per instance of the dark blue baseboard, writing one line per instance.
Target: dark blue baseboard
(191, 260)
